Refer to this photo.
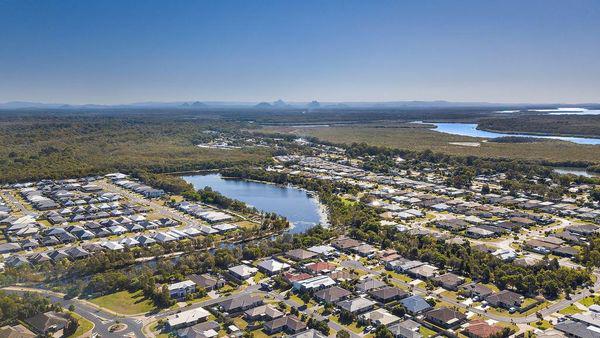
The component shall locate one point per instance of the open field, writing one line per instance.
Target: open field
(125, 302)
(422, 139)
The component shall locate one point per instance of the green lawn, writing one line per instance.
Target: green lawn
(400, 277)
(158, 331)
(259, 275)
(351, 327)
(125, 302)
(240, 323)
(425, 332)
(84, 325)
(570, 310)
(542, 325)
(591, 300)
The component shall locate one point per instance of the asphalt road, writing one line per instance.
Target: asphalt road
(102, 320)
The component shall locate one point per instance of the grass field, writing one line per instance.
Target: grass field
(351, 327)
(125, 302)
(542, 324)
(423, 139)
(425, 332)
(591, 300)
(570, 310)
(84, 325)
(157, 331)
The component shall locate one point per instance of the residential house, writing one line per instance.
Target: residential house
(369, 284)
(242, 272)
(272, 266)
(406, 329)
(323, 250)
(208, 329)
(263, 312)
(445, 317)
(48, 323)
(356, 305)
(320, 267)
(187, 318)
(332, 294)
(16, 331)
(311, 333)
(449, 281)
(388, 294)
(314, 283)
(241, 303)
(287, 324)
(476, 290)
(415, 304)
(300, 254)
(506, 299)
(424, 271)
(206, 281)
(380, 317)
(181, 289)
(481, 329)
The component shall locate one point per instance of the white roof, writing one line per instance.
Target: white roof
(322, 249)
(273, 265)
(189, 316)
(243, 270)
(181, 285)
(315, 282)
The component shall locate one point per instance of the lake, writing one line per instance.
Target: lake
(470, 129)
(301, 209)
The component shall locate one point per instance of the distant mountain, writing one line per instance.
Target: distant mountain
(199, 104)
(313, 105)
(280, 104)
(264, 105)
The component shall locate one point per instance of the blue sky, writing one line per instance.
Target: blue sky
(130, 51)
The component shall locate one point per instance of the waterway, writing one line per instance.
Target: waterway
(298, 206)
(575, 171)
(470, 129)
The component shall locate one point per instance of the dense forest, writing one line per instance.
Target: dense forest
(55, 146)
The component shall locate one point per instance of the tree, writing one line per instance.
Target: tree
(342, 334)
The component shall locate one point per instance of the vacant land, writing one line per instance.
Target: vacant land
(422, 139)
(125, 302)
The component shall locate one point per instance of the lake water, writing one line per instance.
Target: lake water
(470, 129)
(302, 210)
(575, 171)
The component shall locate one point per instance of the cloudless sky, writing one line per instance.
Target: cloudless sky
(85, 51)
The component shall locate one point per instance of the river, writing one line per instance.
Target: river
(575, 171)
(301, 209)
(470, 129)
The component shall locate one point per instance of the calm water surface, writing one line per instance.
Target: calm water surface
(575, 171)
(296, 205)
(470, 129)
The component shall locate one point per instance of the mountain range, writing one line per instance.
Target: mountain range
(279, 104)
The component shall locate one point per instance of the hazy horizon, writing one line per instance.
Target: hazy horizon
(113, 52)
